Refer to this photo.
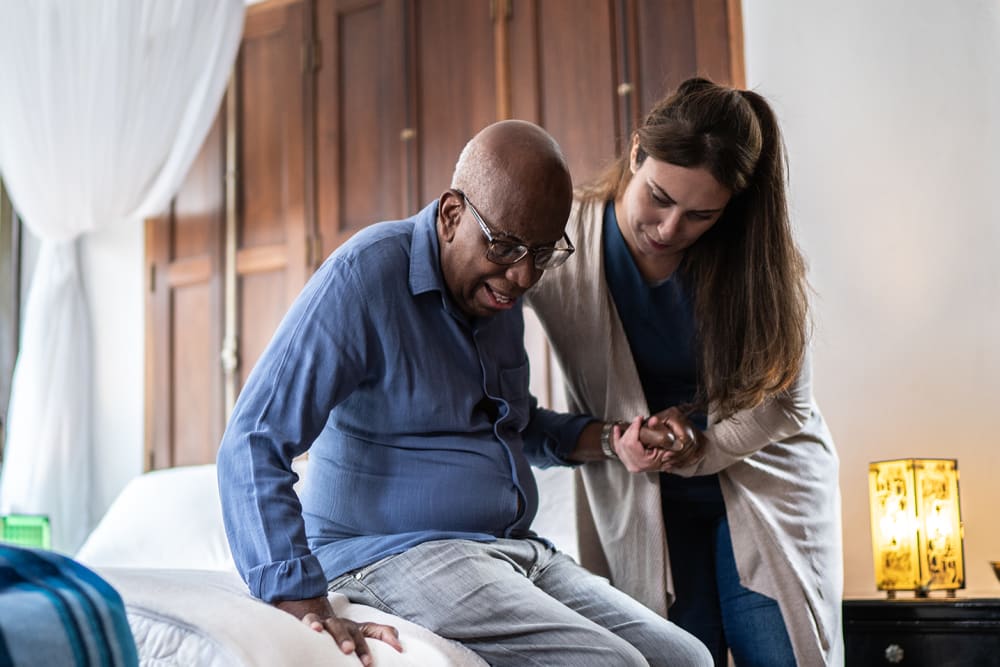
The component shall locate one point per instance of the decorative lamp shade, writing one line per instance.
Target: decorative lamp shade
(916, 525)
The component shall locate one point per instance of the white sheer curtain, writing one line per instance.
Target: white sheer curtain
(103, 107)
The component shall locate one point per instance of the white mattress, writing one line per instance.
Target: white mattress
(185, 618)
(162, 546)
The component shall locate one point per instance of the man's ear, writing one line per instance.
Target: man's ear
(450, 208)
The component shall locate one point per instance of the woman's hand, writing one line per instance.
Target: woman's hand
(670, 432)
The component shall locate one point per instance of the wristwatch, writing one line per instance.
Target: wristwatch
(606, 430)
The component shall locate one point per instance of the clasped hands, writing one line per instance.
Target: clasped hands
(664, 442)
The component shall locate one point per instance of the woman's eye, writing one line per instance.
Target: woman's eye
(659, 200)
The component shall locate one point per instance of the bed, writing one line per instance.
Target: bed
(162, 546)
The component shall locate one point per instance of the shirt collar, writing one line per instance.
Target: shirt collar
(425, 266)
(425, 256)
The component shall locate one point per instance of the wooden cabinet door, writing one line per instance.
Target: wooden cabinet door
(184, 405)
(403, 85)
(587, 70)
(672, 40)
(456, 91)
(563, 77)
(362, 116)
(272, 263)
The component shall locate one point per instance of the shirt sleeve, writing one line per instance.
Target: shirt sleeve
(317, 357)
(551, 436)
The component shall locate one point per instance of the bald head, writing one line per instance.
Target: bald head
(517, 192)
(513, 166)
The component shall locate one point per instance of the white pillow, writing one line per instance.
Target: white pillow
(164, 519)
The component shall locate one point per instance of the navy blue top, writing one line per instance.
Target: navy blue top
(660, 327)
(418, 421)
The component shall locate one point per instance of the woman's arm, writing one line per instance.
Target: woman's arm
(741, 435)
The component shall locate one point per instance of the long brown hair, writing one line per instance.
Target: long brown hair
(747, 274)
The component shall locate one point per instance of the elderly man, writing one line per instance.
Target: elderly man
(402, 368)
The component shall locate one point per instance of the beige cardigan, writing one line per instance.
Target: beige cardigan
(777, 467)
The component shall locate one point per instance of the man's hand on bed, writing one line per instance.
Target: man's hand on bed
(350, 636)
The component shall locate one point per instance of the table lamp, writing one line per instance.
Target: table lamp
(916, 526)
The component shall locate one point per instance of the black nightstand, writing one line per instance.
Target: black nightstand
(933, 632)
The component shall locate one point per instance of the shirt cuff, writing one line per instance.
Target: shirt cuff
(554, 436)
(298, 579)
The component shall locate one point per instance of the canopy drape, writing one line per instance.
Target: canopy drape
(103, 107)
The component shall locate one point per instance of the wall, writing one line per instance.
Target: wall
(112, 263)
(890, 115)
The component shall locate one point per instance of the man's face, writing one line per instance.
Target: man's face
(479, 286)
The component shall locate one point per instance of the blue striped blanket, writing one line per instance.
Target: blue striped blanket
(54, 611)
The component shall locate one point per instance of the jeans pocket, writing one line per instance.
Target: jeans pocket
(340, 582)
(359, 574)
(353, 586)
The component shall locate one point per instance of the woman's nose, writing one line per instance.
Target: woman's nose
(669, 223)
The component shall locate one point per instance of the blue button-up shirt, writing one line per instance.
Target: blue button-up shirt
(418, 421)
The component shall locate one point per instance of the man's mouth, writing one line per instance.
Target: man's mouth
(499, 298)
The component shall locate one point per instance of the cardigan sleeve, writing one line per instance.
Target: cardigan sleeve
(743, 434)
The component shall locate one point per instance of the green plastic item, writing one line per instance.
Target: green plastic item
(26, 530)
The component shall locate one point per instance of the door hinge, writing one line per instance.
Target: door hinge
(152, 277)
(501, 8)
(314, 251)
(312, 56)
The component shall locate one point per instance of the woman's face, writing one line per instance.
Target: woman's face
(664, 210)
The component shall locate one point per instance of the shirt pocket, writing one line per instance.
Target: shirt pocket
(514, 393)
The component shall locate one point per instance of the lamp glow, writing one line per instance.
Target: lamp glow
(916, 525)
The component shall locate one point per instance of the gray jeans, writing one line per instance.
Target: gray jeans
(519, 602)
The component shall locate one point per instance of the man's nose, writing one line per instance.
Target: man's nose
(523, 272)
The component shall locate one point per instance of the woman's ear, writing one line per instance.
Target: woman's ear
(633, 156)
(450, 207)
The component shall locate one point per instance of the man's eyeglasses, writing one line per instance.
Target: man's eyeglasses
(500, 251)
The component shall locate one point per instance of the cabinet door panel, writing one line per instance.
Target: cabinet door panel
(196, 423)
(577, 83)
(271, 261)
(665, 34)
(678, 39)
(184, 317)
(361, 116)
(263, 298)
(456, 82)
